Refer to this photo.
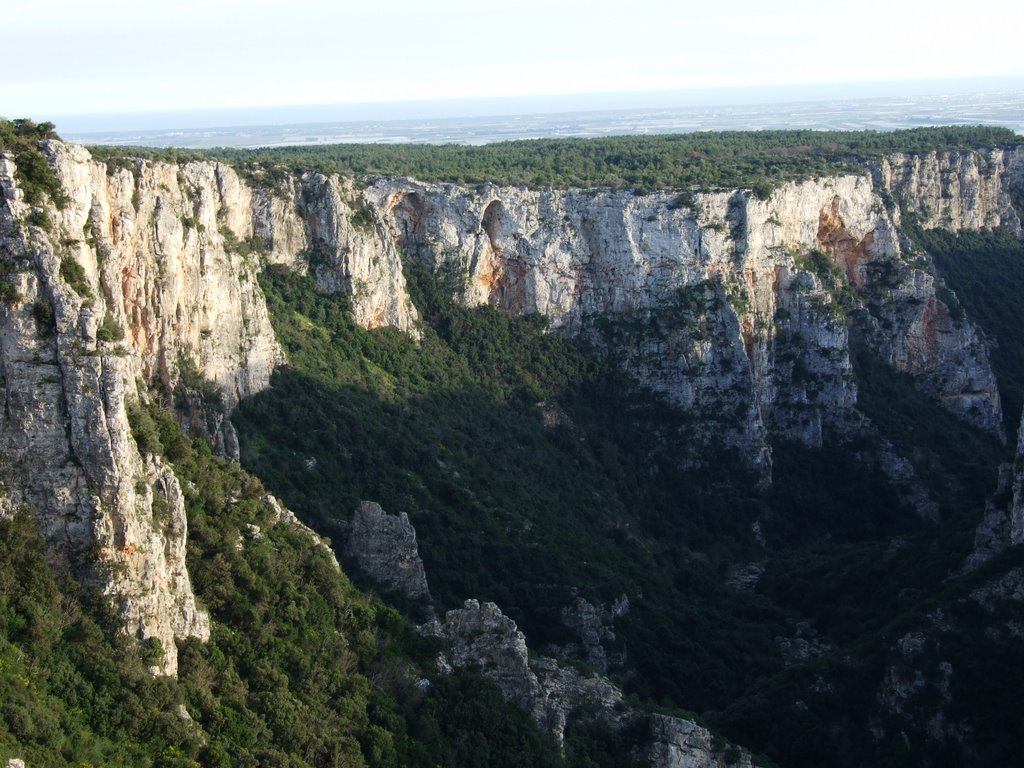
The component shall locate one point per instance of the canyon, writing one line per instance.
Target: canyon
(742, 311)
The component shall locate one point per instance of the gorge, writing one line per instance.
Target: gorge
(688, 460)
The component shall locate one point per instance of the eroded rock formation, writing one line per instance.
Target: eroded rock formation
(383, 547)
(735, 307)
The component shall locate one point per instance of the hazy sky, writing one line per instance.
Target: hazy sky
(118, 56)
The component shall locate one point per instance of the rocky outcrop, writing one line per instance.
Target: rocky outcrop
(956, 190)
(593, 627)
(805, 644)
(482, 638)
(382, 547)
(678, 743)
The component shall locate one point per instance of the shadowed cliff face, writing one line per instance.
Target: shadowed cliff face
(739, 309)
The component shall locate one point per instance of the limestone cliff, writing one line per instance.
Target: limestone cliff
(147, 277)
(737, 308)
(107, 510)
(956, 190)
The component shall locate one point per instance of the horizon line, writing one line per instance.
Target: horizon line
(500, 106)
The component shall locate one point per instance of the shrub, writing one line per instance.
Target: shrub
(144, 429)
(73, 274)
(42, 311)
(109, 330)
(39, 218)
(35, 176)
(8, 293)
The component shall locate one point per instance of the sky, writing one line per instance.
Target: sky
(114, 56)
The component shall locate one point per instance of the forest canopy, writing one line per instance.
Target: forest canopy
(756, 160)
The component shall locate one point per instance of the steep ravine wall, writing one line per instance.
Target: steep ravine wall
(718, 299)
(382, 547)
(711, 296)
(956, 190)
(65, 436)
(147, 270)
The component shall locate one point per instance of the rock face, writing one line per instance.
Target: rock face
(148, 274)
(481, 637)
(383, 547)
(737, 308)
(593, 626)
(155, 242)
(115, 515)
(1002, 525)
(956, 190)
(679, 743)
(1017, 505)
(349, 250)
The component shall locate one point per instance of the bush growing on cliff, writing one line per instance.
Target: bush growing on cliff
(109, 330)
(73, 274)
(42, 311)
(144, 430)
(35, 177)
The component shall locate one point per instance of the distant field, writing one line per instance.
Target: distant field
(840, 113)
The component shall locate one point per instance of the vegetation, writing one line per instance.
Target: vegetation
(756, 160)
(35, 177)
(832, 278)
(430, 429)
(109, 330)
(8, 293)
(42, 311)
(251, 246)
(986, 272)
(472, 431)
(300, 670)
(72, 273)
(537, 472)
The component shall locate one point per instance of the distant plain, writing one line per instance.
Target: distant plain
(993, 108)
